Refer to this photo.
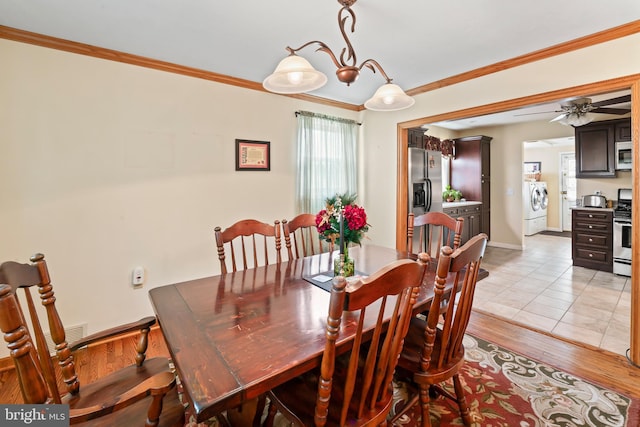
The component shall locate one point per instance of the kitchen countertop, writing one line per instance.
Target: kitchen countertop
(592, 209)
(459, 204)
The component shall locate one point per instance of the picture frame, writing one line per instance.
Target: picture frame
(532, 167)
(253, 155)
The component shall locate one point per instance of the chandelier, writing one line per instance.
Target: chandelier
(295, 74)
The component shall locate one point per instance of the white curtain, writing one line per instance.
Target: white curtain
(326, 159)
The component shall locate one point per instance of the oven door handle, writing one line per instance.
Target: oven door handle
(622, 221)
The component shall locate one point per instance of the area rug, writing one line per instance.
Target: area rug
(506, 389)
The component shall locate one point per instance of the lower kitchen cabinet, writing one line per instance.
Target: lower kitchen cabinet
(472, 215)
(592, 239)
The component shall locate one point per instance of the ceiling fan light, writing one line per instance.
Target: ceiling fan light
(576, 119)
(294, 74)
(583, 119)
(389, 97)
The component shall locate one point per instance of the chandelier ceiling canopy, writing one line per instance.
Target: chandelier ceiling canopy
(295, 74)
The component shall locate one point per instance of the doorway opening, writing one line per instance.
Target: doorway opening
(547, 156)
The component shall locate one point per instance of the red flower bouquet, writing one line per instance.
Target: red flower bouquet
(354, 220)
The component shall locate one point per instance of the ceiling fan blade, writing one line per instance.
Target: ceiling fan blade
(619, 111)
(612, 101)
(560, 117)
(539, 112)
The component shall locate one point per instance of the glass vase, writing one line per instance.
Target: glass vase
(348, 268)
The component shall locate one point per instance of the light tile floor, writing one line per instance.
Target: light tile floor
(540, 287)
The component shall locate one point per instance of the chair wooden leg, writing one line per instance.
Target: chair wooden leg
(462, 401)
(424, 404)
(405, 408)
(268, 422)
(259, 410)
(223, 420)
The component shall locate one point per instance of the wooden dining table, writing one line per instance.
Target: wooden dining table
(233, 337)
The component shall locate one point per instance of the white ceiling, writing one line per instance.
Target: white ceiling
(538, 112)
(416, 41)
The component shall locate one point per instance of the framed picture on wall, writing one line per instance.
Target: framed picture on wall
(532, 167)
(253, 155)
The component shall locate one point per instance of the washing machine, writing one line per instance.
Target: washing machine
(535, 201)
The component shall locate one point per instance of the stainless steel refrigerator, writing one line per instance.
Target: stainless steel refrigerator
(425, 182)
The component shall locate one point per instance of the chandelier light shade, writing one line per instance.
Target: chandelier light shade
(295, 74)
(389, 97)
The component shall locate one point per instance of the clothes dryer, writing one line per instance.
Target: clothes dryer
(544, 196)
(535, 201)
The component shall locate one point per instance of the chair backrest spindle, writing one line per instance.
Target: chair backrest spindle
(301, 237)
(370, 382)
(434, 230)
(244, 233)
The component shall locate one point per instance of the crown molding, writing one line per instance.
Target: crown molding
(42, 40)
(559, 49)
(23, 36)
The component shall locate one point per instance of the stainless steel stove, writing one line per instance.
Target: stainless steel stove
(622, 233)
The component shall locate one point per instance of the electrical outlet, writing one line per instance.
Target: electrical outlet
(137, 278)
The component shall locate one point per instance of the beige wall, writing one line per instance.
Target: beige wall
(106, 166)
(614, 59)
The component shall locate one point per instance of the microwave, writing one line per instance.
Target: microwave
(623, 155)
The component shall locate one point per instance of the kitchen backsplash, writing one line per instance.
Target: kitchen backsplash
(607, 186)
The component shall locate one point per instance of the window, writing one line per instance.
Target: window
(326, 159)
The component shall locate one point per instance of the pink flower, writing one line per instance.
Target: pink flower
(322, 221)
(356, 217)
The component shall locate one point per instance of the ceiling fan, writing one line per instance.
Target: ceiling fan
(575, 112)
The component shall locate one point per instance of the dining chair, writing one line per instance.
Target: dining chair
(353, 385)
(259, 239)
(301, 237)
(142, 393)
(433, 231)
(433, 349)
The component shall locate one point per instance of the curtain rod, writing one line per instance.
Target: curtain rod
(324, 116)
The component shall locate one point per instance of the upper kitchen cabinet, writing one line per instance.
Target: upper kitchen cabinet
(595, 147)
(471, 174)
(623, 130)
(416, 138)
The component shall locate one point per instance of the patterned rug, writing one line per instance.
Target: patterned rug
(505, 389)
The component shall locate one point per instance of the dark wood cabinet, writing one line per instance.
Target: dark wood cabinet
(595, 147)
(592, 234)
(472, 215)
(623, 130)
(471, 174)
(416, 138)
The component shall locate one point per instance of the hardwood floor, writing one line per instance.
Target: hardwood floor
(599, 366)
